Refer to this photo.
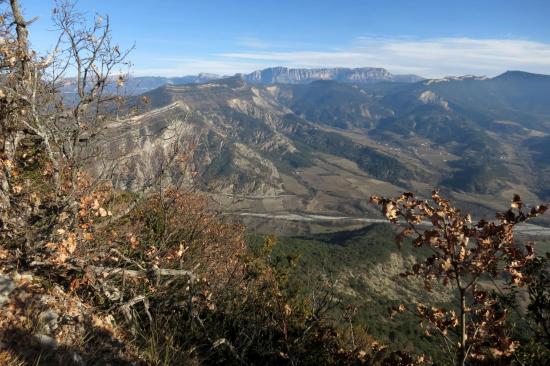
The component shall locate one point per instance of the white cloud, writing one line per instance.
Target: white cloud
(252, 42)
(428, 57)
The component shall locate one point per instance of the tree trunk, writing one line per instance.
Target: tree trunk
(9, 147)
(462, 352)
(9, 129)
(5, 203)
(22, 37)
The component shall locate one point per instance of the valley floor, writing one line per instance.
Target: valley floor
(343, 221)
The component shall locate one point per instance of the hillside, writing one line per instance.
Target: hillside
(326, 146)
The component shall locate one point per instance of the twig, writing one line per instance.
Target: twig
(113, 250)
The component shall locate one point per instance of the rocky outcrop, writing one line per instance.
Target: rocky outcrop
(286, 75)
(429, 97)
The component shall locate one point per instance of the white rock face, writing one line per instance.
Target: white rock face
(286, 75)
(429, 97)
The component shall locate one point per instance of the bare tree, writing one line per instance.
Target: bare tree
(462, 254)
(38, 121)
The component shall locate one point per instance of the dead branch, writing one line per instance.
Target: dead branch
(142, 273)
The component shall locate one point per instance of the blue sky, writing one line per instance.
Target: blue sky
(426, 37)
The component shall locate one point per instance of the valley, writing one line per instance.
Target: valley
(324, 147)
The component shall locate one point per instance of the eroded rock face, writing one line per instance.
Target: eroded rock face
(429, 97)
(286, 75)
(219, 132)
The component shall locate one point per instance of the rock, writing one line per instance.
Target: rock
(45, 341)
(77, 359)
(25, 277)
(48, 320)
(7, 285)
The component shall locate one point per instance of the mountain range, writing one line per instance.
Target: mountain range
(287, 75)
(271, 141)
(135, 85)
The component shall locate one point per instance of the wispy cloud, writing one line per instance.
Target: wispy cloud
(428, 57)
(252, 42)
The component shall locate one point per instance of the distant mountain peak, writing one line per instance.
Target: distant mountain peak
(235, 81)
(285, 75)
(207, 75)
(455, 78)
(517, 74)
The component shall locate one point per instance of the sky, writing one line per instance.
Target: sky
(431, 38)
